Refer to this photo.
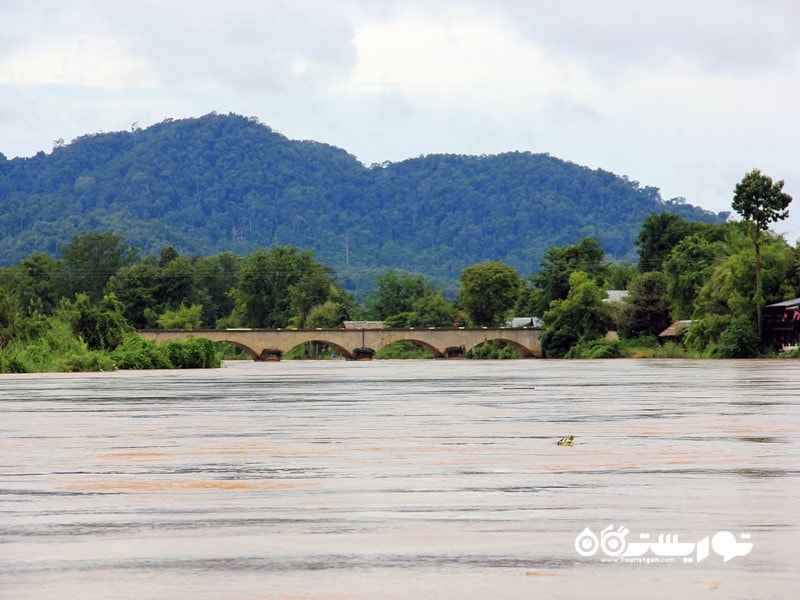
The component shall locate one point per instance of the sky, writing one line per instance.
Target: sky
(683, 95)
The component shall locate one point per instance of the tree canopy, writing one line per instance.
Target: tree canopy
(760, 202)
(227, 183)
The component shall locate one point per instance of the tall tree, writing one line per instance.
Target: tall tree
(760, 202)
(488, 292)
(396, 292)
(264, 293)
(659, 234)
(559, 262)
(646, 309)
(92, 258)
(687, 268)
(581, 315)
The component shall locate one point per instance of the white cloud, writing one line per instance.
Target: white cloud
(75, 60)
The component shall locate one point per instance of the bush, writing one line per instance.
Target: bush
(642, 341)
(738, 340)
(404, 349)
(135, 353)
(194, 353)
(86, 361)
(601, 348)
(493, 349)
(672, 350)
(557, 342)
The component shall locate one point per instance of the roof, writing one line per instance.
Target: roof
(525, 322)
(616, 295)
(795, 303)
(362, 325)
(676, 328)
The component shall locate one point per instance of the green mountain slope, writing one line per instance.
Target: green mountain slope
(226, 182)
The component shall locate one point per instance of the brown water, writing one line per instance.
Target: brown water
(400, 479)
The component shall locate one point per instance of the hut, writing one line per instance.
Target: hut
(781, 322)
(674, 333)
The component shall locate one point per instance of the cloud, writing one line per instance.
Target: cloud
(75, 60)
(248, 46)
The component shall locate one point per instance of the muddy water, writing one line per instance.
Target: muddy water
(403, 479)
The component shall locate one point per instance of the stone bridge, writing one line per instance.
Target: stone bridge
(360, 344)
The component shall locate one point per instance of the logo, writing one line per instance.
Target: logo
(617, 549)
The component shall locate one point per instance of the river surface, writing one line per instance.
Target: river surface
(403, 480)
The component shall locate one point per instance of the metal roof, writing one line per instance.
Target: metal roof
(785, 304)
(676, 328)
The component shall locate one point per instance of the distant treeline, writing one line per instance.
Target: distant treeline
(79, 311)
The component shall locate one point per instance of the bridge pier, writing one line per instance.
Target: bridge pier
(454, 352)
(363, 354)
(269, 354)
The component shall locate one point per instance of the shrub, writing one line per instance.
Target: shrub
(493, 349)
(194, 353)
(601, 348)
(672, 350)
(404, 349)
(136, 353)
(738, 340)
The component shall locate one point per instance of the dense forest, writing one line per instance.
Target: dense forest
(80, 311)
(226, 183)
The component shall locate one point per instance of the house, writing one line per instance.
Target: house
(674, 333)
(781, 322)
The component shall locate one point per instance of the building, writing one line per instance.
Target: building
(781, 322)
(674, 333)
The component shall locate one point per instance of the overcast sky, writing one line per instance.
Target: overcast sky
(683, 95)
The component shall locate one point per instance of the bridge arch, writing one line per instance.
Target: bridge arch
(521, 348)
(344, 352)
(417, 343)
(407, 335)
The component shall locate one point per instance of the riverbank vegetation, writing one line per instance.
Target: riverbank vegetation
(80, 311)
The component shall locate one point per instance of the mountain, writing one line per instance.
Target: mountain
(227, 182)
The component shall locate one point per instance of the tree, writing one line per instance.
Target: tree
(728, 289)
(184, 317)
(38, 282)
(100, 325)
(264, 291)
(760, 202)
(687, 268)
(659, 234)
(582, 315)
(488, 292)
(91, 259)
(432, 311)
(215, 277)
(10, 317)
(311, 289)
(138, 288)
(552, 282)
(327, 315)
(646, 310)
(396, 292)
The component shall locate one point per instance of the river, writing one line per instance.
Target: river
(403, 480)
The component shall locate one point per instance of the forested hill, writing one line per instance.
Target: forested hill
(219, 183)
